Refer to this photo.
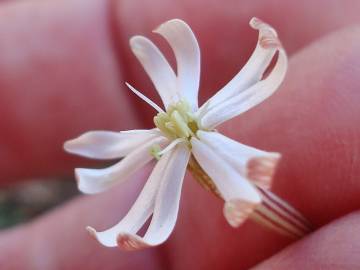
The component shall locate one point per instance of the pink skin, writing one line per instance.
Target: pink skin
(62, 69)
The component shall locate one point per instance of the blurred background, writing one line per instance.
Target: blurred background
(24, 201)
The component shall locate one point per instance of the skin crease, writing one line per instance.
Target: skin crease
(74, 64)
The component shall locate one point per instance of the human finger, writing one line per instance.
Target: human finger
(335, 246)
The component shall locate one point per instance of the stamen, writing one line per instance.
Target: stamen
(171, 127)
(171, 146)
(177, 122)
(181, 124)
(144, 98)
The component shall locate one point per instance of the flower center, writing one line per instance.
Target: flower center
(178, 122)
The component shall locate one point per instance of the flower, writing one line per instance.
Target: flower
(184, 132)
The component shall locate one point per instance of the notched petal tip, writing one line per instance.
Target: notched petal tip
(92, 232)
(82, 183)
(262, 169)
(258, 24)
(128, 242)
(268, 38)
(236, 211)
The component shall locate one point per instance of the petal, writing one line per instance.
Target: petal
(166, 205)
(229, 182)
(253, 70)
(187, 53)
(261, 169)
(157, 67)
(236, 211)
(141, 209)
(250, 97)
(97, 180)
(231, 185)
(251, 163)
(109, 144)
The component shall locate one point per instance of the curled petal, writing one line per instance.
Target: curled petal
(239, 99)
(166, 205)
(157, 67)
(254, 164)
(186, 49)
(267, 34)
(231, 185)
(160, 197)
(139, 212)
(253, 70)
(97, 180)
(131, 242)
(109, 144)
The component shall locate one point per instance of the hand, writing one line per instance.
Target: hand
(62, 72)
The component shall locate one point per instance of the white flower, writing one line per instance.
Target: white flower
(184, 129)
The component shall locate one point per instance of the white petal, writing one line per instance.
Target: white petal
(229, 182)
(254, 164)
(231, 185)
(141, 209)
(236, 211)
(166, 205)
(186, 49)
(250, 97)
(98, 180)
(253, 70)
(157, 67)
(109, 144)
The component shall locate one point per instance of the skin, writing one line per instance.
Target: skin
(62, 68)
